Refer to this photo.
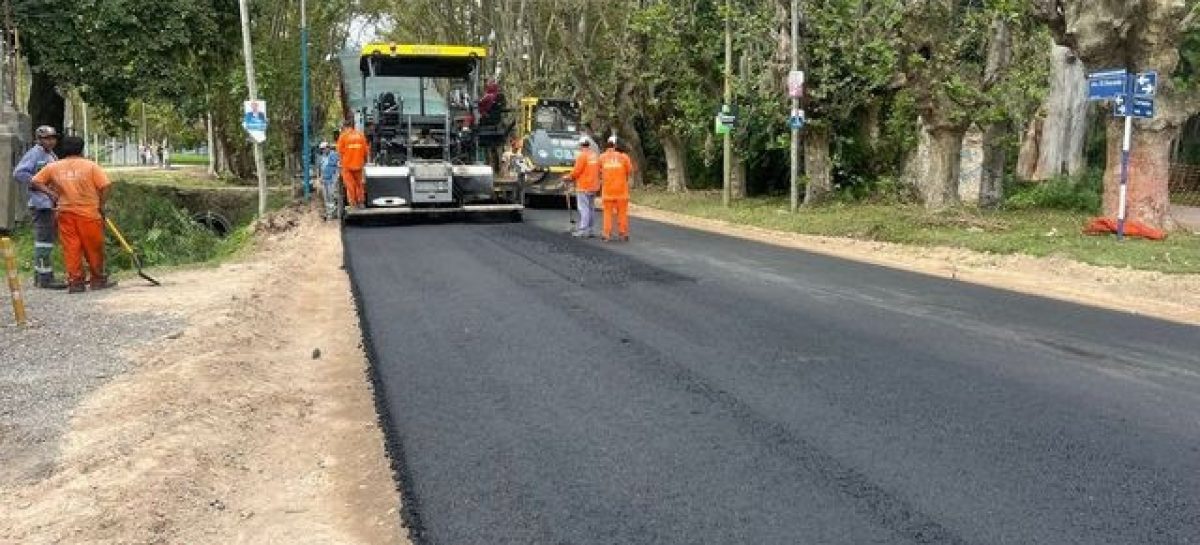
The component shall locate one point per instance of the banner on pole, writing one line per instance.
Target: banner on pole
(254, 119)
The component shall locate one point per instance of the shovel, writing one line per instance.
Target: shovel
(137, 261)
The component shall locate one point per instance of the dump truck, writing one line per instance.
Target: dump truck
(418, 107)
(548, 133)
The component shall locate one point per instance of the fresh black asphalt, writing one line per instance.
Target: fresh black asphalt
(688, 388)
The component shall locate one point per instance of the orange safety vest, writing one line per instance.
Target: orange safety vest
(615, 168)
(353, 149)
(587, 171)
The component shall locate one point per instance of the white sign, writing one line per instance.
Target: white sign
(254, 119)
(795, 84)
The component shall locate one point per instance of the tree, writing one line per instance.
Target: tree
(1138, 35)
(848, 63)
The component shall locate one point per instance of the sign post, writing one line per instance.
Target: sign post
(1132, 96)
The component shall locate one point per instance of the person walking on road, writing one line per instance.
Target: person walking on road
(353, 150)
(615, 169)
(80, 188)
(329, 174)
(41, 206)
(586, 176)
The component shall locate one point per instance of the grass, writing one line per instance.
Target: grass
(152, 214)
(193, 159)
(1031, 231)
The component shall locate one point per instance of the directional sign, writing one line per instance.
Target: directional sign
(1140, 107)
(1143, 107)
(1146, 84)
(1107, 85)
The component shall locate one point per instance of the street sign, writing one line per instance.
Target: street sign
(1146, 84)
(1140, 107)
(795, 84)
(797, 119)
(1107, 85)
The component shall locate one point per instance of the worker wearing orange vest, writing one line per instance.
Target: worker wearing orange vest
(615, 169)
(353, 151)
(586, 176)
(79, 188)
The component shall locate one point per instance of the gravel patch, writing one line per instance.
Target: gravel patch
(70, 348)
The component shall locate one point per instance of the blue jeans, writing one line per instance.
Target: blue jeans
(586, 202)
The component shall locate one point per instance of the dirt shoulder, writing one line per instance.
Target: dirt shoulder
(231, 429)
(1165, 296)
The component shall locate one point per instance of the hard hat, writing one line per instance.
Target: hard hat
(612, 140)
(584, 141)
(46, 131)
(324, 145)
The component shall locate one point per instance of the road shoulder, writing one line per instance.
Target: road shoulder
(1168, 297)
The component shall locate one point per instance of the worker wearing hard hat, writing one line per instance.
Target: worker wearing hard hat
(41, 207)
(80, 189)
(353, 151)
(586, 176)
(615, 169)
(329, 174)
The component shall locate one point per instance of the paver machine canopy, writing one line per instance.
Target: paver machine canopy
(418, 105)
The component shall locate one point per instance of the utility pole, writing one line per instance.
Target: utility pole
(304, 100)
(795, 163)
(727, 174)
(252, 87)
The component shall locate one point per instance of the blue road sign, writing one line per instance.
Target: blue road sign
(1141, 107)
(1145, 84)
(797, 119)
(1107, 85)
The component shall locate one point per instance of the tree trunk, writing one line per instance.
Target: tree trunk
(676, 155)
(737, 178)
(818, 167)
(938, 188)
(46, 106)
(633, 146)
(212, 147)
(995, 158)
(970, 167)
(1027, 156)
(1064, 126)
(1148, 200)
(869, 124)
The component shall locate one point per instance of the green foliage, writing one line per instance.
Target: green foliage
(1080, 194)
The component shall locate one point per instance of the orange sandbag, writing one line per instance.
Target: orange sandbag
(1108, 226)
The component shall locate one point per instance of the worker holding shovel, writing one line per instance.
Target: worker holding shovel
(586, 176)
(80, 189)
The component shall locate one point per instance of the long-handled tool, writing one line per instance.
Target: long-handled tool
(137, 261)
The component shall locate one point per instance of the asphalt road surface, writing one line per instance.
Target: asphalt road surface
(687, 388)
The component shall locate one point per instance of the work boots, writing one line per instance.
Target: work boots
(102, 283)
(47, 281)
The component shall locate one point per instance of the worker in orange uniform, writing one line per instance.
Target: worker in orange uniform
(353, 150)
(80, 189)
(615, 169)
(586, 176)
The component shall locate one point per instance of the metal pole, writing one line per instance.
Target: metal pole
(85, 130)
(14, 283)
(248, 56)
(1126, 145)
(795, 155)
(304, 94)
(727, 174)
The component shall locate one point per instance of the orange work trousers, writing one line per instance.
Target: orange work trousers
(356, 191)
(81, 238)
(620, 209)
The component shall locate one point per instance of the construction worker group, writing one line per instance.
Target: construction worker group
(67, 200)
(607, 174)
